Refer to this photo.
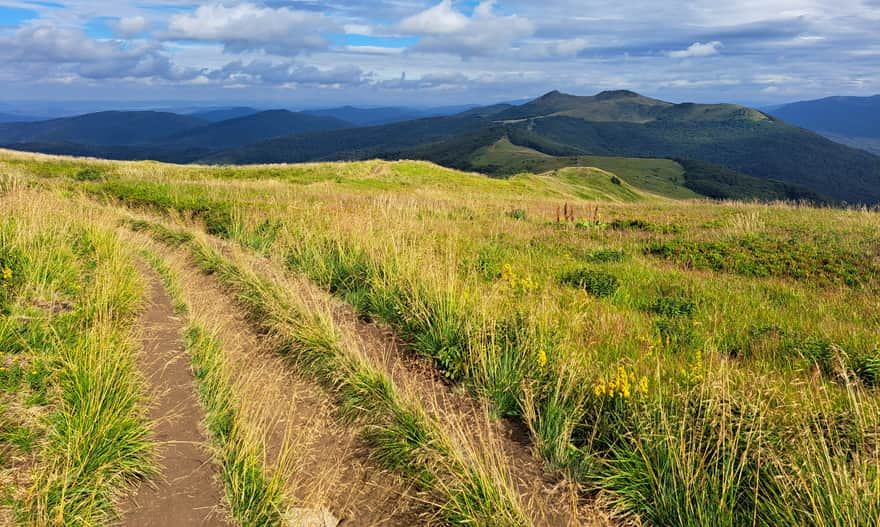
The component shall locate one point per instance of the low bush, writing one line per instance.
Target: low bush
(605, 256)
(517, 214)
(89, 174)
(672, 306)
(594, 281)
(763, 256)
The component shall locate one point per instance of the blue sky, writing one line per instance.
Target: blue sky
(306, 53)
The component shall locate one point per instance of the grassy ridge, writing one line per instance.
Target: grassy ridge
(640, 375)
(69, 299)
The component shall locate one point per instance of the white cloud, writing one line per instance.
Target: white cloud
(130, 26)
(697, 49)
(249, 27)
(285, 73)
(445, 30)
(440, 19)
(71, 51)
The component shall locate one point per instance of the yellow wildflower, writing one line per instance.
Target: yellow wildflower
(542, 359)
(599, 389)
(507, 273)
(7, 274)
(643, 385)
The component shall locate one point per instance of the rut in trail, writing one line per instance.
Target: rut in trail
(332, 467)
(188, 492)
(550, 499)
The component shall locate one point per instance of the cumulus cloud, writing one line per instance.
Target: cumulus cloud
(286, 73)
(697, 49)
(45, 43)
(440, 19)
(250, 27)
(555, 49)
(429, 81)
(70, 51)
(445, 30)
(130, 26)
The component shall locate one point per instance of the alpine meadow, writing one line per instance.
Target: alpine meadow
(455, 263)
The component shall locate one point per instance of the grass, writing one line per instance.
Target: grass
(71, 297)
(255, 488)
(402, 435)
(753, 326)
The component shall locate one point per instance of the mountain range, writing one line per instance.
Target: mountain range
(720, 150)
(853, 121)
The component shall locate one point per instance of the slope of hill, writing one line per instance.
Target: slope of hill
(355, 143)
(369, 116)
(848, 116)
(550, 323)
(619, 124)
(619, 105)
(253, 128)
(854, 121)
(615, 124)
(15, 118)
(102, 128)
(221, 114)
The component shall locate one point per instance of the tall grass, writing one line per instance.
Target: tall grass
(403, 436)
(728, 428)
(96, 443)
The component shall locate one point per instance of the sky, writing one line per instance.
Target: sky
(310, 53)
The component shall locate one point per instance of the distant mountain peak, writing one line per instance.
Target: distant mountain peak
(553, 95)
(616, 94)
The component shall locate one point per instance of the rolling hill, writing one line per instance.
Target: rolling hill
(103, 128)
(854, 121)
(253, 128)
(369, 116)
(216, 115)
(610, 124)
(734, 143)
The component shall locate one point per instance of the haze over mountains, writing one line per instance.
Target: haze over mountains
(731, 145)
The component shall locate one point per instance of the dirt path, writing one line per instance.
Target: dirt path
(551, 499)
(332, 468)
(188, 492)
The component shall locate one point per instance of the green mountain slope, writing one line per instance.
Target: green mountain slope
(610, 124)
(765, 148)
(102, 128)
(846, 116)
(852, 121)
(250, 129)
(355, 143)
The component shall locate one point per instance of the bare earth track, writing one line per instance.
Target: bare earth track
(551, 499)
(189, 492)
(333, 469)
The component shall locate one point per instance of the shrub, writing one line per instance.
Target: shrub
(605, 256)
(672, 306)
(594, 281)
(517, 214)
(763, 256)
(89, 174)
(629, 224)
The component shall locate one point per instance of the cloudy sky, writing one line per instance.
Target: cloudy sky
(316, 53)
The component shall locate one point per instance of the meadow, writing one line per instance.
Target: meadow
(665, 362)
